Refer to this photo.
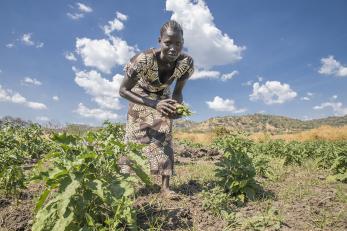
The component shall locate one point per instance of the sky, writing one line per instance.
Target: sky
(62, 61)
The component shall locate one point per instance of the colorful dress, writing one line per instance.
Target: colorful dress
(146, 125)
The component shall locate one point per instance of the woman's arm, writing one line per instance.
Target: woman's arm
(166, 106)
(180, 83)
(125, 91)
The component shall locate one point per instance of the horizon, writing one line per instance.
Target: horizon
(63, 61)
(57, 123)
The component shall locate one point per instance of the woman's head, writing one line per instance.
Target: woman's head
(171, 41)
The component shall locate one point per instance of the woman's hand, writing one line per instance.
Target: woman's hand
(167, 107)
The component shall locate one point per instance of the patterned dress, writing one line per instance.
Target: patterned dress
(146, 125)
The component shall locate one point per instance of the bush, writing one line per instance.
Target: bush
(89, 191)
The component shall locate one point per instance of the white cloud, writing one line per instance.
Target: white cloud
(55, 98)
(7, 95)
(36, 105)
(248, 83)
(104, 54)
(75, 16)
(70, 56)
(203, 74)
(330, 66)
(334, 97)
(260, 79)
(39, 45)
(272, 92)
(121, 16)
(81, 10)
(42, 118)
(95, 113)
(210, 74)
(9, 45)
(30, 81)
(308, 96)
(337, 107)
(27, 40)
(205, 42)
(305, 98)
(104, 92)
(116, 24)
(230, 75)
(220, 104)
(84, 8)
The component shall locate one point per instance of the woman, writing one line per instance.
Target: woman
(146, 85)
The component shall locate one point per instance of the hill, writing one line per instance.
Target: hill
(259, 123)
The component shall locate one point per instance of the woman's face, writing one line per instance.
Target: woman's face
(171, 44)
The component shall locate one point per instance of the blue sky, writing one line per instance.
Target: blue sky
(62, 61)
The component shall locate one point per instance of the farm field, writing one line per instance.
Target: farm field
(60, 181)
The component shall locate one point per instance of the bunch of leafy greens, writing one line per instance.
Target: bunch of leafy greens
(183, 110)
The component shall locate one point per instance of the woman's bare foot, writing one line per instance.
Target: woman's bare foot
(169, 194)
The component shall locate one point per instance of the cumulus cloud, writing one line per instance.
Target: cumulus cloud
(27, 40)
(113, 25)
(9, 45)
(121, 16)
(230, 75)
(203, 74)
(39, 45)
(337, 107)
(84, 8)
(210, 74)
(104, 54)
(75, 16)
(104, 92)
(79, 11)
(330, 66)
(248, 83)
(55, 98)
(7, 95)
(31, 81)
(95, 113)
(307, 97)
(272, 92)
(70, 56)
(220, 104)
(42, 118)
(205, 42)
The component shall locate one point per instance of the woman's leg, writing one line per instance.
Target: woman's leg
(165, 183)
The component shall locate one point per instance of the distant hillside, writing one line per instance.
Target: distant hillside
(258, 123)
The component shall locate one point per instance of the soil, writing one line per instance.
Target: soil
(17, 213)
(183, 213)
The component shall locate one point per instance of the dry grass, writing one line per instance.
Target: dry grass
(321, 133)
(201, 138)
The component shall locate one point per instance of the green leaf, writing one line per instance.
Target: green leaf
(42, 199)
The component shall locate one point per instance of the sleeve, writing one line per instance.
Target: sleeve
(190, 69)
(136, 65)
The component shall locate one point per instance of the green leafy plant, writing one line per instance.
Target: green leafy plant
(19, 145)
(235, 170)
(88, 191)
(216, 201)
